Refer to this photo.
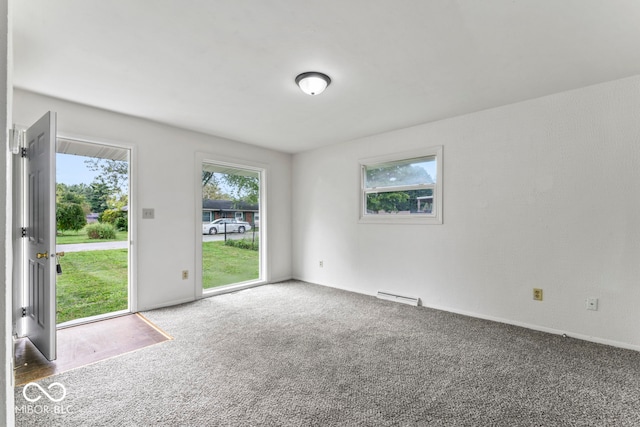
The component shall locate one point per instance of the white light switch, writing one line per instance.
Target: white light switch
(148, 213)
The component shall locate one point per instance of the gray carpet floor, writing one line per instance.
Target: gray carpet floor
(295, 354)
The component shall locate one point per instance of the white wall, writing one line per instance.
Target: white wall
(164, 168)
(544, 193)
(6, 354)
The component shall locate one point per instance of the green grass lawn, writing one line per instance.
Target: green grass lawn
(92, 283)
(81, 237)
(95, 282)
(224, 265)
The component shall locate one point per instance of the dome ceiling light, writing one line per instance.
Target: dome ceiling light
(312, 82)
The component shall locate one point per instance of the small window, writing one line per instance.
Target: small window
(405, 188)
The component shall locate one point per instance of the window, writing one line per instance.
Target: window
(403, 188)
(230, 253)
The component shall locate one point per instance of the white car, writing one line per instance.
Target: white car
(228, 225)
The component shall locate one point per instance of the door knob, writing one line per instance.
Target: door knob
(44, 255)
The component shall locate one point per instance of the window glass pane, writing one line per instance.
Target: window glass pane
(400, 202)
(405, 172)
(231, 250)
(206, 216)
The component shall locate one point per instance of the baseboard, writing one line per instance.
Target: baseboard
(342, 288)
(539, 328)
(583, 337)
(281, 279)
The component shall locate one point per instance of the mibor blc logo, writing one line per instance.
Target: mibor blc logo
(54, 394)
(58, 392)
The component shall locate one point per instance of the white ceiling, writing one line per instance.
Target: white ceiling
(227, 67)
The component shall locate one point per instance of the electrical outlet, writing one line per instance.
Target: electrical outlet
(185, 274)
(321, 264)
(537, 294)
(592, 304)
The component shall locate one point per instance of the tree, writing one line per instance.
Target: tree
(212, 192)
(237, 187)
(245, 188)
(70, 216)
(113, 173)
(73, 194)
(208, 177)
(211, 188)
(403, 174)
(388, 202)
(98, 197)
(396, 175)
(116, 217)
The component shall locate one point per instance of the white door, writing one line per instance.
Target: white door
(41, 235)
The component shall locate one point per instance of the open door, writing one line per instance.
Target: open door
(40, 304)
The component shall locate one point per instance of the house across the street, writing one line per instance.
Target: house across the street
(92, 217)
(242, 211)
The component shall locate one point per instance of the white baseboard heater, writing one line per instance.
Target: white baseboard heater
(399, 298)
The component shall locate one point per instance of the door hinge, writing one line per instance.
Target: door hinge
(23, 152)
(24, 311)
(23, 231)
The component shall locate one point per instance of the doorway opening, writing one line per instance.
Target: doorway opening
(231, 237)
(92, 224)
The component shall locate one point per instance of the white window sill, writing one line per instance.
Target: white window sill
(400, 219)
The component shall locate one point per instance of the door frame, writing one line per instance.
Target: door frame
(19, 276)
(262, 169)
(18, 220)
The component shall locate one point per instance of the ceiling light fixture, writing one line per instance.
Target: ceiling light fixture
(312, 82)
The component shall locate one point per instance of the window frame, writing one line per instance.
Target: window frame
(433, 218)
(263, 171)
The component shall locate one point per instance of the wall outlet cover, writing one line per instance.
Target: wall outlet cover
(537, 294)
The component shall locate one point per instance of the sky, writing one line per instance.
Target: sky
(70, 170)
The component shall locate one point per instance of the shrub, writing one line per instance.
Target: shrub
(243, 244)
(70, 216)
(122, 223)
(116, 217)
(108, 216)
(100, 230)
